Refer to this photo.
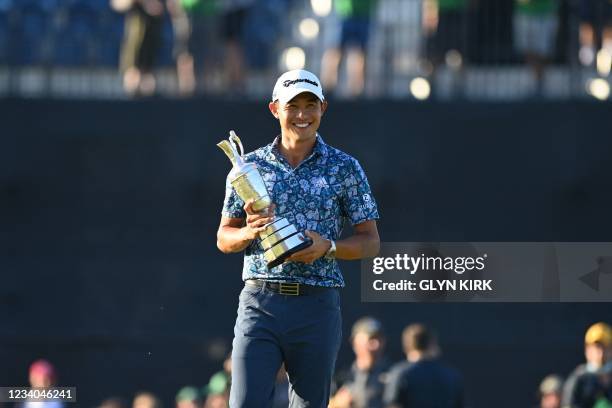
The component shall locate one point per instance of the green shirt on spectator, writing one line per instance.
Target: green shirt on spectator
(536, 7)
(203, 7)
(603, 403)
(451, 5)
(354, 8)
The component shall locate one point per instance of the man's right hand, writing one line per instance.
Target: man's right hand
(255, 221)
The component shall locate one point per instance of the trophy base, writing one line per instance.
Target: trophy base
(281, 258)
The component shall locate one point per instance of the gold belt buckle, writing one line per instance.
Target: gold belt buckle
(289, 289)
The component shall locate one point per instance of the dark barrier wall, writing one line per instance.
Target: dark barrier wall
(108, 214)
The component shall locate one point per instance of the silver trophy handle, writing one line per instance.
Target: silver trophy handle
(229, 150)
(235, 139)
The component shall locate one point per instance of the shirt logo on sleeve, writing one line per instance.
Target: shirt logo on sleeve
(367, 201)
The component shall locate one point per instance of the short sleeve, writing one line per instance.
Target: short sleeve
(232, 204)
(358, 202)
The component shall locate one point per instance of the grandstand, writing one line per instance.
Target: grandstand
(71, 48)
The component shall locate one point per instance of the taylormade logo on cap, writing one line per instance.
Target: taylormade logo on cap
(290, 82)
(295, 82)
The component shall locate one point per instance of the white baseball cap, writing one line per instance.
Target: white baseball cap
(294, 82)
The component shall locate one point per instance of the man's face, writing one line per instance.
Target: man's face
(596, 354)
(300, 117)
(551, 400)
(40, 380)
(364, 344)
(186, 404)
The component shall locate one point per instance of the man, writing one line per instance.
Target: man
(42, 374)
(355, 16)
(584, 386)
(316, 187)
(549, 392)
(535, 31)
(217, 389)
(235, 13)
(446, 39)
(595, 33)
(145, 399)
(188, 397)
(363, 385)
(423, 381)
(141, 44)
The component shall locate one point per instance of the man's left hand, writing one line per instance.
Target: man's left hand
(318, 249)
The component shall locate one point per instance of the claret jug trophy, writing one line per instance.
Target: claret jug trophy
(280, 238)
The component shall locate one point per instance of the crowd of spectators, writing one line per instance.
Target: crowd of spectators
(421, 379)
(213, 44)
(589, 385)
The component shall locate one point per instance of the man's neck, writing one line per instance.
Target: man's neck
(416, 356)
(365, 362)
(296, 151)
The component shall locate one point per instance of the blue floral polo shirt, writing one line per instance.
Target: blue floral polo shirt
(322, 192)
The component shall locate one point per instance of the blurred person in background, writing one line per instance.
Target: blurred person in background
(141, 44)
(535, 25)
(216, 401)
(193, 24)
(42, 374)
(445, 33)
(188, 397)
(423, 380)
(362, 386)
(218, 387)
(355, 16)
(595, 31)
(181, 27)
(146, 399)
(113, 402)
(235, 13)
(549, 392)
(217, 390)
(584, 386)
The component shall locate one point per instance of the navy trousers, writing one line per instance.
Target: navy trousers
(304, 332)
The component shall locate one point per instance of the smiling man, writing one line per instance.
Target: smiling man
(317, 188)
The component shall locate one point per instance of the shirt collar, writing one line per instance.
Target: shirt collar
(320, 148)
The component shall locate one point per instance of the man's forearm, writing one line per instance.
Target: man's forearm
(358, 246)
(232, 239)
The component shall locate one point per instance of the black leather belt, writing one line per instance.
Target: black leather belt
(287, 288)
